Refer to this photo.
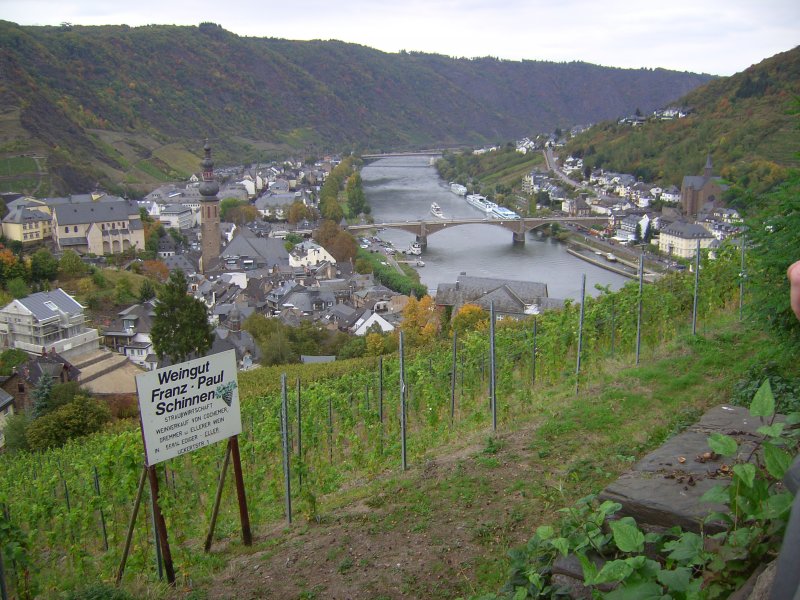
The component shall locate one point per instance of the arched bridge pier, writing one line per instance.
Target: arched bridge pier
(519, 227)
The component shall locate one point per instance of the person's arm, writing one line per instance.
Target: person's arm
(793, 273)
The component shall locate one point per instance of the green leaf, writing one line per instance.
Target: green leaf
(677, 580)
(589, 569)
(776, 460)
(722, 444)
(716, 495)
(627, 537)
(772, 431)
(793, 418)
(545, 532)
(688, 548)
(561, 544)
(777, 506)
(745, 472)
(521, 593)
(644, 590)
(609, 508)
(613, 571)
(763, 404)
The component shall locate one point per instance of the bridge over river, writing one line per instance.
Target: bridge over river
(518, 227)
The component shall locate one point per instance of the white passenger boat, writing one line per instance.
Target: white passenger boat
(501, 212)
(458, 189)
(481, 203)
(436, 211)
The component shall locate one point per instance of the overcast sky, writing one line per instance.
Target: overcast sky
(721, 37)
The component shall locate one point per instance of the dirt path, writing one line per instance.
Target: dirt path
(431, 534)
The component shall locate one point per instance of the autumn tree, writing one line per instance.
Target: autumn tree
(242, 214)
(155, 269)
(180, 326)
(338, 242)
(421, 321)
(298, 212)
(470, 317)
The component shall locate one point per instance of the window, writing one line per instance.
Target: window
(75, 229)
(66, 229)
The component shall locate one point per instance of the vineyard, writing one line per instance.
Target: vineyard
(66, 511)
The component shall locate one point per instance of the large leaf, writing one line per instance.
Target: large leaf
(561, 544)
(722, 444)
(763, 404)
(777, 506)
(717, 495)
(746, 472)
(772, 431)
(627, 536)
(776, 460)
(688, 548)
(545, 532)
(677, 580)
(612, 571)
(644, 590)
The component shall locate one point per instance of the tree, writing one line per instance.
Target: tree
(14, 432)
(297, 212)
(241, 214)
(80, 417)
(470, 317)
(41, 396)
(18, 288)
(44, 266)
(123, 294)
(155, 269)
(146, 291)
(71, 265)
(180, 326)
(226, 205)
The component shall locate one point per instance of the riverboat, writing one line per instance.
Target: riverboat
(481, 203)
(501, 212)
(414, 249)
(458, 189)
(436, 211)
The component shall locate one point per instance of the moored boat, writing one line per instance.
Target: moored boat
(501, 212)
(481, 203)
(458, 189)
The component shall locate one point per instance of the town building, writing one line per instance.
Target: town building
(98, 227)
(177, 216)
(27, 225)
(47, 321)
(209, 211)
(509, 297)
(700, 192)
(680, 239)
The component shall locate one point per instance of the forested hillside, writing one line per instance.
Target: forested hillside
(115, 104)
(748, 122)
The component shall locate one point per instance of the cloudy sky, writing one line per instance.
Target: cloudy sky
(721, 37)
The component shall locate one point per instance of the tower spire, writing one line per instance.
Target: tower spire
(209, 213)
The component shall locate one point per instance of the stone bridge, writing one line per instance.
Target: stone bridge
(518, 227)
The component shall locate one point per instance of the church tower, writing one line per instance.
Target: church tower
(209, 214)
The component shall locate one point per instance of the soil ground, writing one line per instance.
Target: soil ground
(432, 533)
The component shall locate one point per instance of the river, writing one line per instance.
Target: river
(403, 188)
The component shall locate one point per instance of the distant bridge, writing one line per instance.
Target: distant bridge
(518, 227)
(371, 157)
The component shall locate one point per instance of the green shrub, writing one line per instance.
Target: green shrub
(80, 417)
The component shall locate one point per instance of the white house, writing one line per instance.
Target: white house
(47, 320)
(367, 320)
(177, 216)
(309, 254)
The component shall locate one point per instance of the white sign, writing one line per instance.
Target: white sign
(189, 405)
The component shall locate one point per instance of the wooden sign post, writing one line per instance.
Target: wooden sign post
(182, 408)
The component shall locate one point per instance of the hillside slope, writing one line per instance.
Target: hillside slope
(156, 85)
(748, 122)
